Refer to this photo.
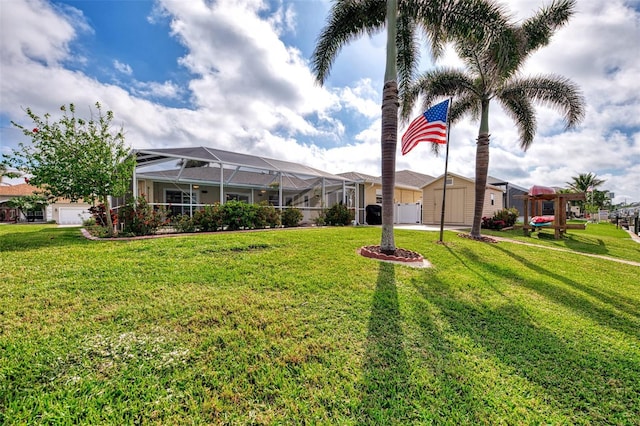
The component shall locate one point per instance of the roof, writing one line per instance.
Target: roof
(489, 185)
(209, 175)
(404, 178)
(147, 157)
(501, 182)
(18, 190)
(412, 178)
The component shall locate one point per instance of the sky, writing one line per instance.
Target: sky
(236, 75)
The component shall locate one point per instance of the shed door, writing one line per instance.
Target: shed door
(454, 205)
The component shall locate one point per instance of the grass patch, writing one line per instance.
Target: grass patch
(291, 327)
(599, 238)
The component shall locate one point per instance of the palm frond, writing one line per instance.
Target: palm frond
(408, 53)
(463, 105)
(555, 91)
(520, 109)
(438, 83)
(347, 21)
(539, 28)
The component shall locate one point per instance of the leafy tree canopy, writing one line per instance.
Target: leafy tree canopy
(73, 157)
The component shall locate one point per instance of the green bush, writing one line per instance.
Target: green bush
(266, 215)
(291, 217)
(139, 218)
(238, 215)
(209, 218)
(183, 223)
(339, 215)
(501, 219)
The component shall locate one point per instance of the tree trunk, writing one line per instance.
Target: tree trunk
(389, 133)
(389, 143)
(107, 214)
(482, 169)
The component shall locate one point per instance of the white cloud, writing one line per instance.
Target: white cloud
(122, 67)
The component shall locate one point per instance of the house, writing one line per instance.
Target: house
(184, 180)
(407, 194)
(511, 193)
(63, 211)
(459, 202)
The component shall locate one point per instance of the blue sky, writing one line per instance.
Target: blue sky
(235, 74)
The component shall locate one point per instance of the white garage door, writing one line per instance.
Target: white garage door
(72, 215)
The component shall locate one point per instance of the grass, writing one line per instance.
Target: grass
(601, 239)
(292, 327)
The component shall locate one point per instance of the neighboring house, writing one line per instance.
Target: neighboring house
(407, 195)
(459, 202)
(509, 192)
(62, 212)
(184, 180)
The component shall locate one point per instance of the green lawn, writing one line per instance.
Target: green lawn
(292, 327)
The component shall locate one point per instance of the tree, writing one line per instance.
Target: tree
(588, 182)
(76, 158)
(584, 182)
(28, 203)
(440, 20)
(492, 72)
(4, 172)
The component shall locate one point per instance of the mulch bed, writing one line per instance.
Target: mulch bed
(400, 255)
(482, 238)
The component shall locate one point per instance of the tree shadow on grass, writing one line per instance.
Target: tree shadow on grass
(483, 350)
(615, 311)
(40, 238)
(386, 370)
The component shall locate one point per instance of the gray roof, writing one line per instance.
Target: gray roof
(148, 157)
(495, 181)
(211, 175)
(404, 178)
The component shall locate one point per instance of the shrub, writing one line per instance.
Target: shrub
(508, 216)
(99, 214)
(209, 218)
(266, 215)
(183, 223)
(238, 215)
(291, 217)
(338, 215)
(139, 218)
(501, 219)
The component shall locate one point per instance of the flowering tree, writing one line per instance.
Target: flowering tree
(75, 158)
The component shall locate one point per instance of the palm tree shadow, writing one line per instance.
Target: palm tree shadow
(385, 366)
(606, 313)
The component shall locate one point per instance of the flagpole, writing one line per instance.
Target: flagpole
(444, 180)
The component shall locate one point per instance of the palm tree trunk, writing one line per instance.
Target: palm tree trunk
(389, 133)
(389, 143)
(482, 169)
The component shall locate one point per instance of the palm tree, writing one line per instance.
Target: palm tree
(584, 181)
(588, 182)
(440, 20)
(492, 73)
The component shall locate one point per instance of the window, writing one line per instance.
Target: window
(237, 197)
(449, 181)
(493, 200)
(179, 200)
(378, 196)
(306, 201)
(35, 215)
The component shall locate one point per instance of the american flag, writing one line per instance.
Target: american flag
(429, 127)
